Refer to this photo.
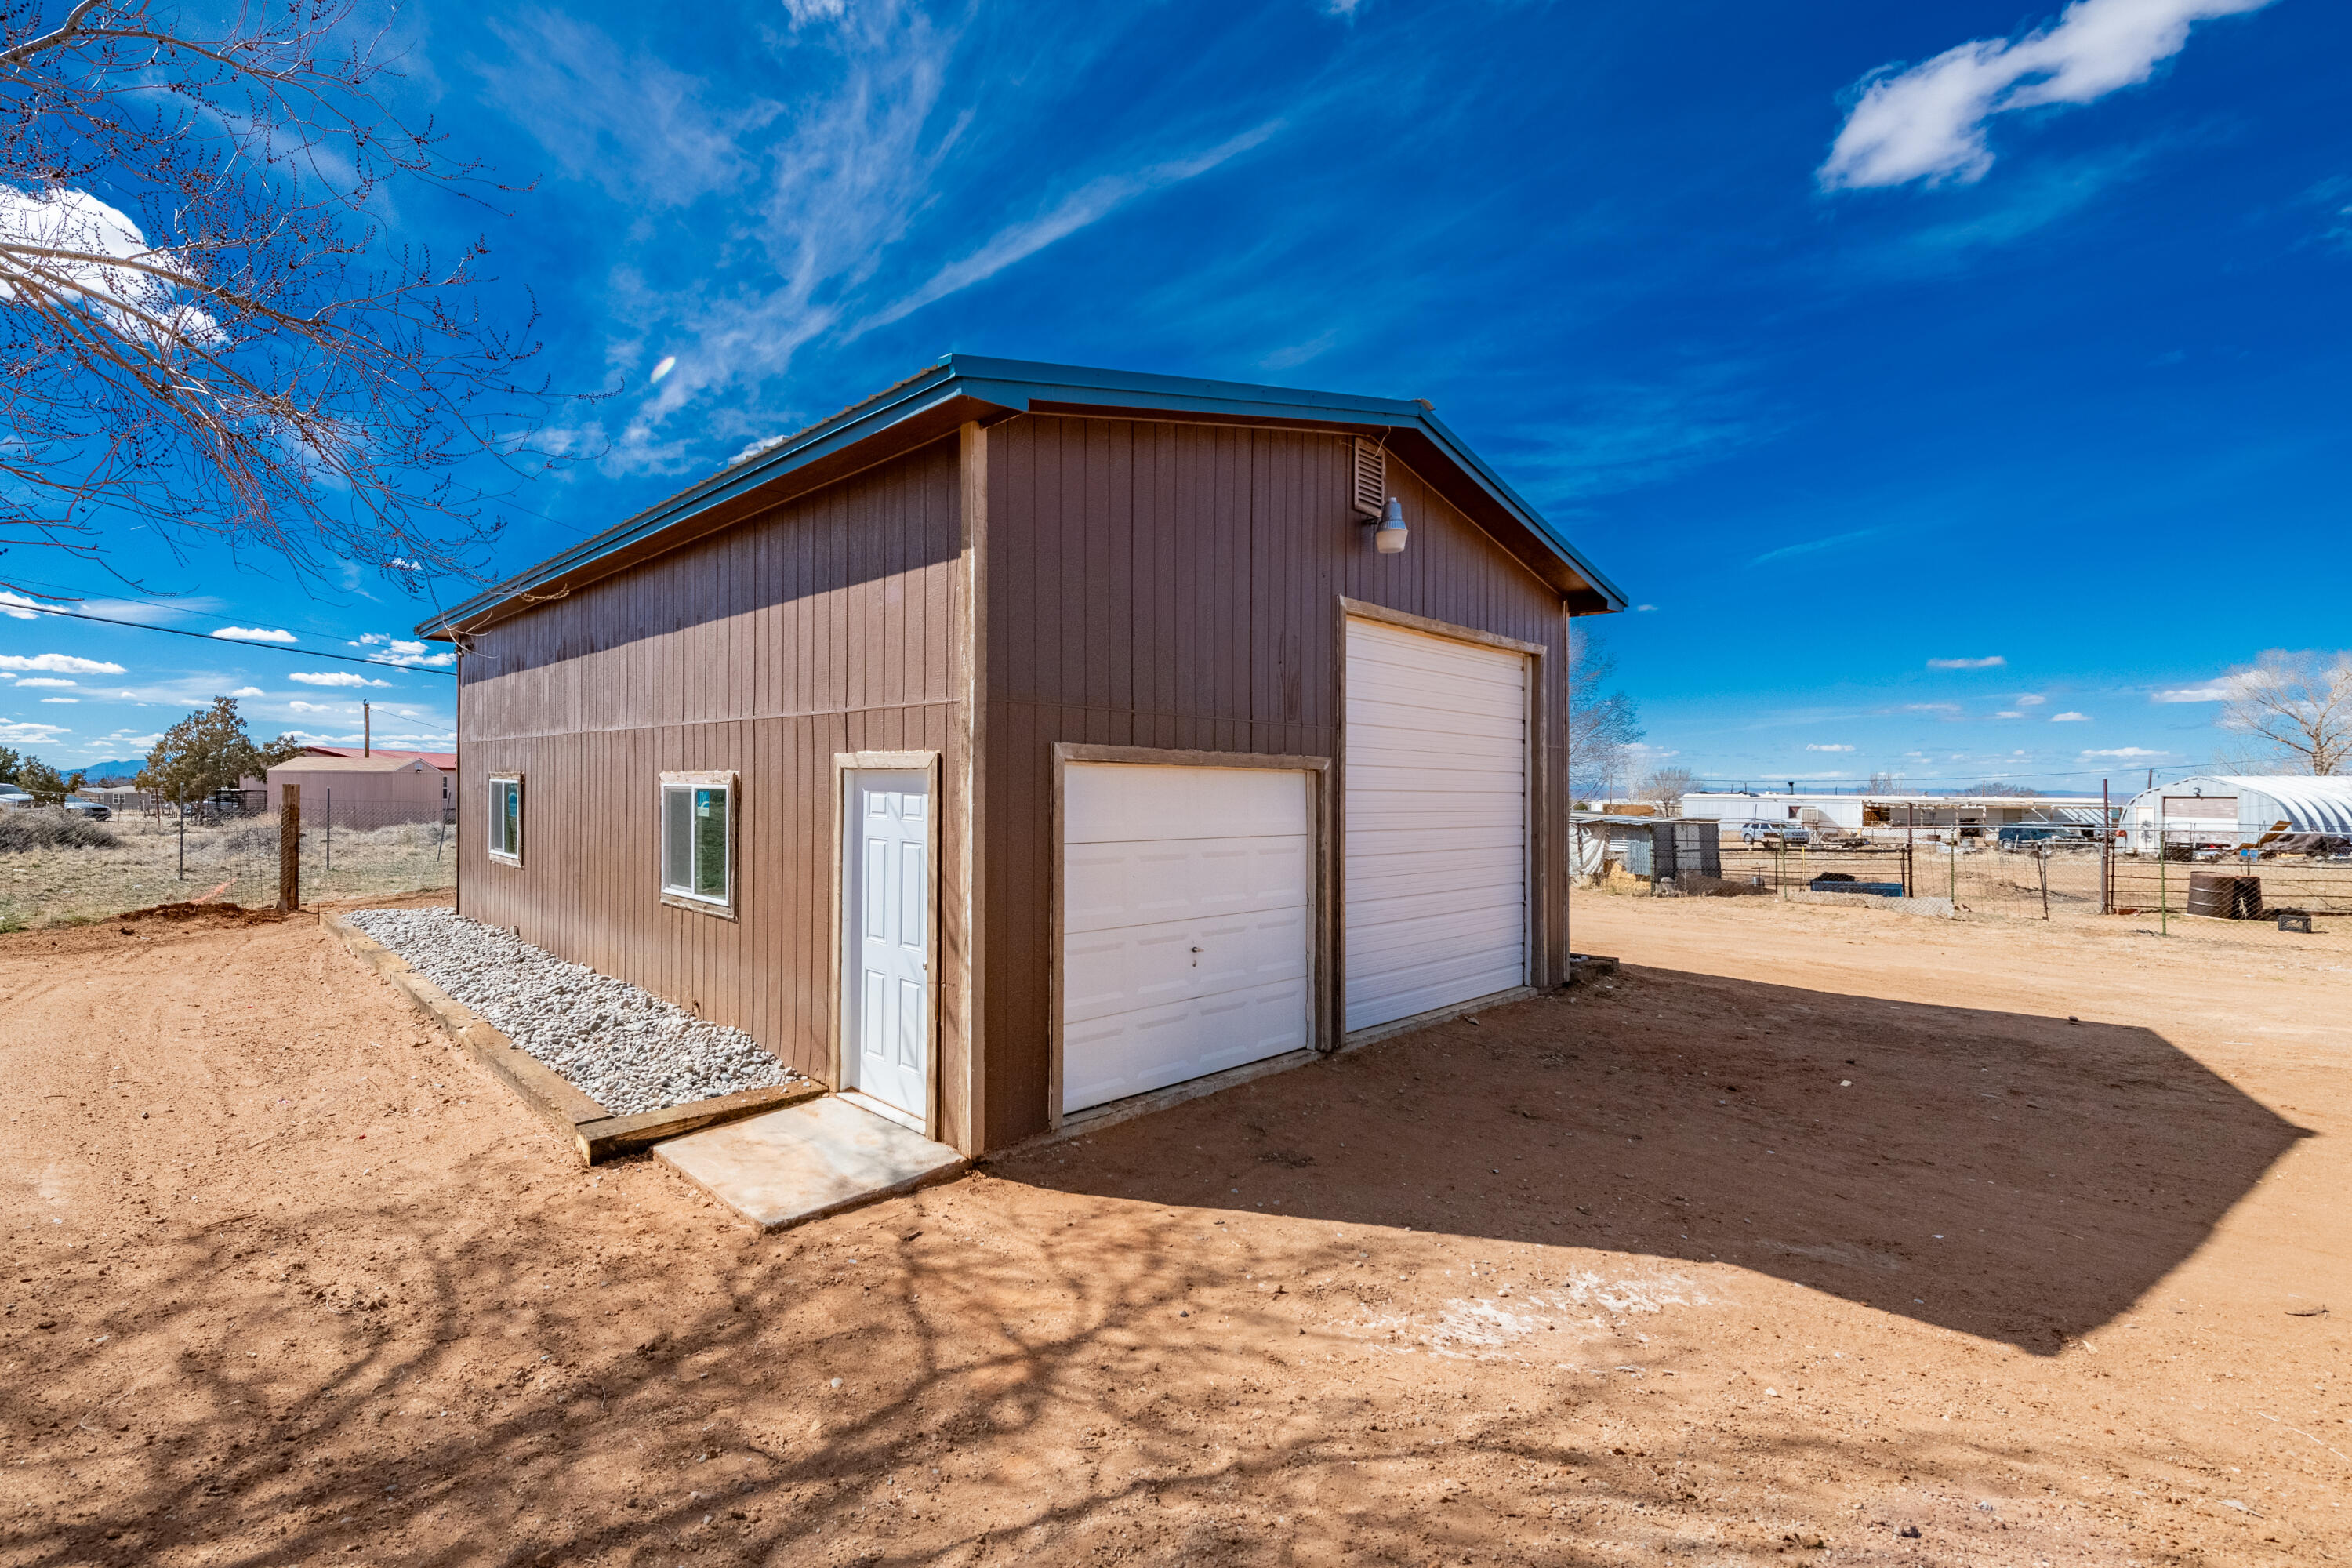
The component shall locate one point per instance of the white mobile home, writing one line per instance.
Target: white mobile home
(1877, 814)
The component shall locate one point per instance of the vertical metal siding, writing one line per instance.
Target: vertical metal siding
(825, 626)
(1177, 585)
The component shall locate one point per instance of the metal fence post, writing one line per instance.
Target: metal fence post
(331, 829)
(2107, 852)
(289, 851)
(183, 841)
(2163, 875)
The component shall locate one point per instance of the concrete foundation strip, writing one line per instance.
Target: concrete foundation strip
(596, 1134)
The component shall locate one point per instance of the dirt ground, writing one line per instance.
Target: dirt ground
(1820, 1236)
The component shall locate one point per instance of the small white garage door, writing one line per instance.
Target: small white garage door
(1436, 823)
(1185, 916)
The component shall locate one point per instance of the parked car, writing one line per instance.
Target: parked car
(14, 799)
(2032, 835)
(88, 809)
(1775, 833)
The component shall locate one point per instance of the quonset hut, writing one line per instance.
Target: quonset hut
(2284, 813)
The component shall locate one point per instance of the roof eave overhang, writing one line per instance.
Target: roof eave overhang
(962, 389)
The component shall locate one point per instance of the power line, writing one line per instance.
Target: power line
(240, 642)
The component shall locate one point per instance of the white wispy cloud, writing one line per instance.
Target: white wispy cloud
(144, 302)
(17, 607)
(406, 653)
(1811, 747)
(649, 134)
(2009, 713)
(25, 734)
(1991, 661)
(833, 184)
(831, 212)
(61, 698)
(254, 634)
(1089, 204)
(2029, 699)
(2070, 718)
(334, 678)
(45, 680)
(57, 664)
(2216, 691)
(1811, 545)
(1927, 122)
(248, 691)
(2127, 751)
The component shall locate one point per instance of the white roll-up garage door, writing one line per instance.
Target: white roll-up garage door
(1436, 822)
(1185, 923)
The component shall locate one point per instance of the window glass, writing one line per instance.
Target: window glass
(695, 841)
(678, 839)
(506, 818)
(710, 843)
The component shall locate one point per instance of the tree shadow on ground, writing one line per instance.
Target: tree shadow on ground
(1077, 1355)
(2016, 1177)
(1003, 1392)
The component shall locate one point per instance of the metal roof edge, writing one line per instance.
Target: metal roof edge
(1016, 384)
(852, 424)
(1469, 462)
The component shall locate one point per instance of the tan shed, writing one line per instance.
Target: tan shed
(365, 792)
(1027, 739)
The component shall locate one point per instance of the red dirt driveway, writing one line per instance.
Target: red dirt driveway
(1816, 1237)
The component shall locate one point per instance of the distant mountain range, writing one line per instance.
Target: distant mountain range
(125, 770)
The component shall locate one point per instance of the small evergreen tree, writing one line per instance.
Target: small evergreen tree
(45, 783)
(209, 751)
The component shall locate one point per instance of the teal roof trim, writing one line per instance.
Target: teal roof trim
(1016, 385)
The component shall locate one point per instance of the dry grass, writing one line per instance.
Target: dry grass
(235, 862)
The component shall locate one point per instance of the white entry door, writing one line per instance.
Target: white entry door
(1186, 911)
(886, 898)
(1436, 823)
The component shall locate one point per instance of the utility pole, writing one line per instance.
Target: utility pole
(367, 729)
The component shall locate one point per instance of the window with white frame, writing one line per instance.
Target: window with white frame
(697, 828)
(506, 818)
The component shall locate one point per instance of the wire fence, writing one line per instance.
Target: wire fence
(2051, 881)
(58, 869)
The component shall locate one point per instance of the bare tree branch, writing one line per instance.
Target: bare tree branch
(1600, 723)
(2296, 708)
(203, 325)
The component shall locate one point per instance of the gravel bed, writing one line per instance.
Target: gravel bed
(622, 1045)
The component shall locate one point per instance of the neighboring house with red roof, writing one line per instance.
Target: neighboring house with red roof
(446, 760)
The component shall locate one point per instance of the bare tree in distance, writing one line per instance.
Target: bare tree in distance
(2294, 711)
(1884, 783)
(1667, 786)
(205, 327)
(1600, 723)
(2001, 790)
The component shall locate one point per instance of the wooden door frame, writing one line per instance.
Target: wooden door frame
(845, 763)
(1538, 904)
(1319, 974)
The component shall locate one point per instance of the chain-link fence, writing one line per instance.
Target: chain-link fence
(62, 868)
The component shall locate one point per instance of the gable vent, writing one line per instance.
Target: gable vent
(1371, 478)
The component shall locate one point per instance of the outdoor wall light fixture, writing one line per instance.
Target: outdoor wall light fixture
(1392, 534)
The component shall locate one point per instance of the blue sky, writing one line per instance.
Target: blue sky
(1959, 387)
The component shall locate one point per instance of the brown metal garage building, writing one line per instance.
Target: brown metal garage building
(1027, 738)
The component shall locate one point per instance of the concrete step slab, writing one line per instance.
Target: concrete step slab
(817, 1158)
